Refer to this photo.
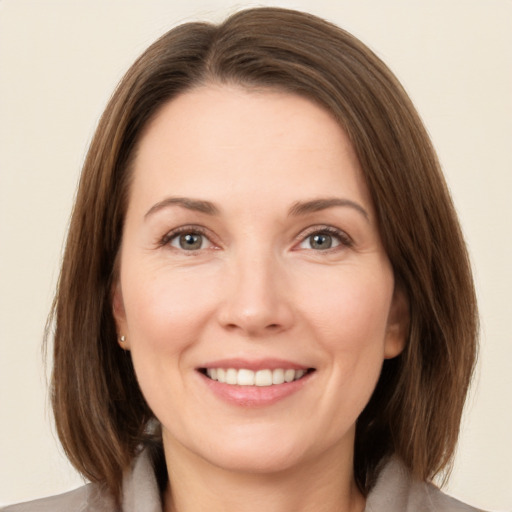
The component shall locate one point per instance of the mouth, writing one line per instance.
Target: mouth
(265, 377)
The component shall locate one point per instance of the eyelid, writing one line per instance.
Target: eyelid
(344, 239)
(189, 228)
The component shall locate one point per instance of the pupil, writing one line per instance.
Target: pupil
(321, 241)
(190, 241)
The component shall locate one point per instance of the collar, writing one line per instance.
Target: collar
(395, 491)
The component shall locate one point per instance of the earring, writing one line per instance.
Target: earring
(122, 339)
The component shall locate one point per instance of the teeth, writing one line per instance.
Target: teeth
(278, 376)
(244, 377)
(231, 376)
(263, 378)
(289, 375)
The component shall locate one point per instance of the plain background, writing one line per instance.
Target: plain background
(59, 62)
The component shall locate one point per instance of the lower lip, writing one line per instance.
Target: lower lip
(254, 396)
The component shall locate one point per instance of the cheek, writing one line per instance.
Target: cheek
(164, 317)
(165, 314)
(350, 310)
(349, 320)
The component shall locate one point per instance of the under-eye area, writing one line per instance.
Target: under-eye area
(247, 377)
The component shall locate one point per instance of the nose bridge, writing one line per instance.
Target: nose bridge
(256, 301)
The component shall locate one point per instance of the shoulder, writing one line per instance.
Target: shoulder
(397, 491)
(89, 498)
(140, 493)
(440, 501)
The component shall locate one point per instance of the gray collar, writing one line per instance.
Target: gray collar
(395, 491)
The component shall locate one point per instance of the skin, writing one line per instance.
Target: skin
(257, 287)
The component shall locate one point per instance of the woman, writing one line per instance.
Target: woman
(265, 299)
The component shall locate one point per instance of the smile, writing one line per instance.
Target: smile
(250, 384)
(261, 378)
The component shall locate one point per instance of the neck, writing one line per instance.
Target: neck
(323, 484)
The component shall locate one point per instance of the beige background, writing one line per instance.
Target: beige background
(59, 61)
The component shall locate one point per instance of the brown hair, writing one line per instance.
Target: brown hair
(101, 415)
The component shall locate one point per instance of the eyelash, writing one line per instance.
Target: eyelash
(344, 240)
(184, 230)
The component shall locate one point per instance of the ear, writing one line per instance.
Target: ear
(120, 316)
(398, 324)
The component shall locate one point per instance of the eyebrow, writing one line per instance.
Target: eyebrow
(316, 205)
(190, 204)
(297, 209)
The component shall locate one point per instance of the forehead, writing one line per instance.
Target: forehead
(245, 139)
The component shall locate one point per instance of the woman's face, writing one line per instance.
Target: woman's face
(251, 257)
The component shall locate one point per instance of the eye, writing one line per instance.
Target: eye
(187, 240)
(325, 239)
(319, 242)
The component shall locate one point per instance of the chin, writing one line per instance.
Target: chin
(256, 459)
(246, 451)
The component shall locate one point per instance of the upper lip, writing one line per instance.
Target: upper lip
(254, 364)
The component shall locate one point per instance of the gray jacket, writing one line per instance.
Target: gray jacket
(395, 491)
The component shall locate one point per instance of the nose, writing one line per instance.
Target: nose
(256, 298)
